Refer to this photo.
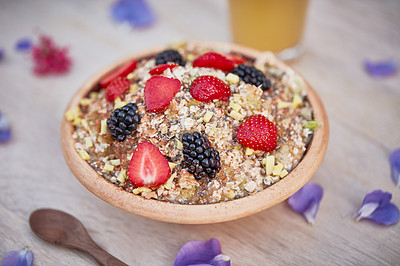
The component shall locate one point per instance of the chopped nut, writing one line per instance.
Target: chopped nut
(118, 103)
(232, 78)
(249, 151)
(121, 177)
(133, 88)
(229, 193)
(130, 76)
(207, 117)
(115, 162)
(178, 144)
(235, 115)
(77, 121)
(73, 113)
(85, 124)
(269, 164)
(284, 104)
(190, 57)
(108, 167)
(168, 184)
(297, 101)
(172, 165)
(283, 173)
(236, 107)
(139, 190)
(85, 101)
(88, 142)
(103, 127)
(277, 169)
(93, 95)
(84, 155)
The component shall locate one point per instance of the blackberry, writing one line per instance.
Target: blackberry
(200, 158)
(169, 56)
(252, 75)
(123, 121)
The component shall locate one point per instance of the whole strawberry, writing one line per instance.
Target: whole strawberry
(207, 88)
(116, 88)
(257, 133)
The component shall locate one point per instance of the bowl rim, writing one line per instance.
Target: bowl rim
(195, 214)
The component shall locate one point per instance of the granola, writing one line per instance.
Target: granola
(243, 171)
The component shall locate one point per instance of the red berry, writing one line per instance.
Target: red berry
(257, 133)
(122, 71)
(116, 88)
(214, 60)
(207, 88)
(236, 59)
(148, 167)
(161, 68)
(159, 91)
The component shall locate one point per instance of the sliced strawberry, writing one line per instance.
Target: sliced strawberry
(148, 167)
(161, 68)
(257, 133)
(116, 88)
(159, 91)
(207, 88)
(235, 59)
(122, 71)
(214, 60)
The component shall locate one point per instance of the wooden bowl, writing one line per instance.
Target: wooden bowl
(195, 214)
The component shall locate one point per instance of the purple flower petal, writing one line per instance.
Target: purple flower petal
(306, 201)
(23, 257)
(377, 207)
(136, 12)
(395, 166)
(24, 45)
(381, 68)
(1, 53)
(5, 128)
(202, 253)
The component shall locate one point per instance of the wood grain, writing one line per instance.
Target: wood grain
(364, 116)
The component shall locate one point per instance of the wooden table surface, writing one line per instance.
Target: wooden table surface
(364, 115)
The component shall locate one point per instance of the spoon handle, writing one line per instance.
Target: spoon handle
(102, 256)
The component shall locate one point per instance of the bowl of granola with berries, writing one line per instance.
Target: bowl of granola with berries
(195, 133)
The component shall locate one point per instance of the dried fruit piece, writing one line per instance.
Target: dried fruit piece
(148, 167)
(122, 71)
(159, 91)
(214, 60)
(258, 133)
(116, 88)
(207, 88)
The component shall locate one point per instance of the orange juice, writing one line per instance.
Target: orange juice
(273, 25)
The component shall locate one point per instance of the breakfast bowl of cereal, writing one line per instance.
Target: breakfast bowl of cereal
(195, 133)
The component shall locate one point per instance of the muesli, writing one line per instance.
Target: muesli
(195, 125)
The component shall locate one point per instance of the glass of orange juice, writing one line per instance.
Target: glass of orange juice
(269, 25)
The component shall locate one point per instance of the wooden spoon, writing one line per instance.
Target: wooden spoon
(61, 228)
